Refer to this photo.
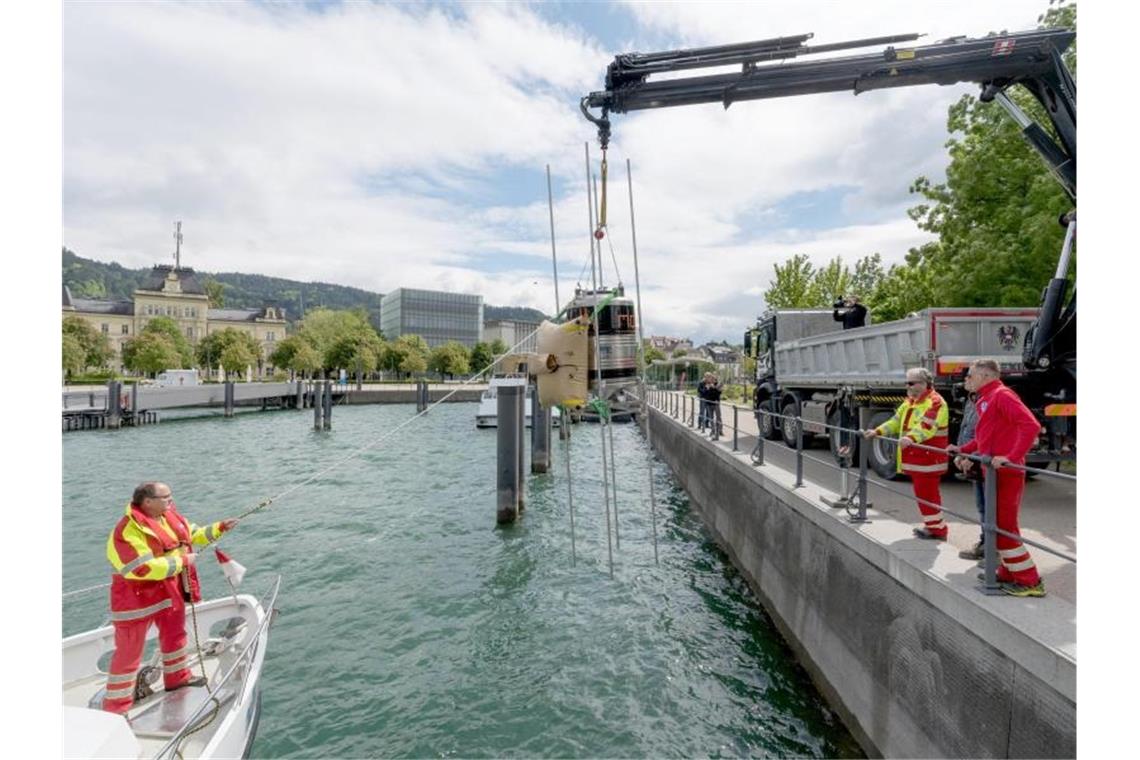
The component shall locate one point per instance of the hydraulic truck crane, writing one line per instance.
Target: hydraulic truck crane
(781, 67)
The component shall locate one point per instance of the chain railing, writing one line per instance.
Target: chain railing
(685, 409)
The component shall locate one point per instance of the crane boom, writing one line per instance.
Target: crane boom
(774, 68)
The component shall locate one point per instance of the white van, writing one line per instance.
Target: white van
(176, 377)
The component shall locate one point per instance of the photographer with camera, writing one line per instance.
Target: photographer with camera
(854, 313)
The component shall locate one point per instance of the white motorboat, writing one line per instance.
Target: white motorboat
(218, 720)
(487, 415)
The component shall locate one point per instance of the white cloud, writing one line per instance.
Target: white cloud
(350, 146)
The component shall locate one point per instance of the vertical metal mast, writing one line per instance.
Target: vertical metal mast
(598, 366)
(178, 245)
(644, 367)
(553, 250)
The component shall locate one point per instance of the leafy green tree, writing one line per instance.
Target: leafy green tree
(94, 344)
(237, 357)
(305, 360)
(831, 281)
(282, 355)
(498, 347)
(211, 348)
(481, 357)
(354, 350)
(906, 288)
(449, 359)
(74, 357)
(679, 352)
(150, 352)
(792, 286)
(996, 214)
(216, 291)
(168, 328)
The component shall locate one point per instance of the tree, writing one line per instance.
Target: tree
(74, 357)
(481, 357)
(237, 357)
(449, 359)
(216, 292)
(996, 214)
(212, 347)
(792, 286)
(168, 328)
(498, 347)
(679, 352)
(95, 346)
(341, 338)
(150, 352)
(305, 360)
(413, 352)
(829, 283)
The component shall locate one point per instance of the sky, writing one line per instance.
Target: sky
(405, 145)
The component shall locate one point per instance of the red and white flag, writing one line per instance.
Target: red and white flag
(234, 571)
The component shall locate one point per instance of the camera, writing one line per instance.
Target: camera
(840, 302)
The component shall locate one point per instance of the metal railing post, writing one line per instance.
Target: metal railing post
(758, 451)
(735, 425)
(864, 448)
(799, 451)
(990, 584)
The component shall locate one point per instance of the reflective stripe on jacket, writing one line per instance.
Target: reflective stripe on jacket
(147, 556)
(924, 420)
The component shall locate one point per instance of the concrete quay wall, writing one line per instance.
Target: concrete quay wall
(404, 395)
(915, 668)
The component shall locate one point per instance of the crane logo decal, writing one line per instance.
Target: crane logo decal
(1008, 336)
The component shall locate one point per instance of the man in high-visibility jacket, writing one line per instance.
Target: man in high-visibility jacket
(922, 418)
(1006, 432)
(152, 551)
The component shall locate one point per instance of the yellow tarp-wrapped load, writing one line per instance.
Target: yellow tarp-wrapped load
(564, 380)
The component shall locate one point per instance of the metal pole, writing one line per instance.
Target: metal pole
(613, 481)
(229, 399)
(799, 451)
(590, 215)
(553, 250)
(300, 395)
(758, 452)
(644, 367)
(570, 496)
(990, 584)
(507, 457)
(520, 401)
(539, 434)
(328, 405)
(114, 409)
(735, 425)
(563, 424)
(864, 453)
(317, 399)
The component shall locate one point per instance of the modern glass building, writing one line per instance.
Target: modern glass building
(434, 315)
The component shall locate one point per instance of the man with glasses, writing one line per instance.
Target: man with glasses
(152, 551)
(1006, 431)
(922, 418)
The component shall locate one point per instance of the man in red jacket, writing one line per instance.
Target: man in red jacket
(1006, 431)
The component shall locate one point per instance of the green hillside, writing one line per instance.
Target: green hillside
(93, 279)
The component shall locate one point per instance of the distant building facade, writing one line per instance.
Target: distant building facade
(511, 332)
(668, 345)
(177, 293)
(434, 315)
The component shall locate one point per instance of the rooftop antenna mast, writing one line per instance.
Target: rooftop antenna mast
(178, 245)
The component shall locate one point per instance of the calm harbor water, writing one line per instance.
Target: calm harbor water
(410, 626)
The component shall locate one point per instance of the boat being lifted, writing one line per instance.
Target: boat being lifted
(218, 720)
(615, 332)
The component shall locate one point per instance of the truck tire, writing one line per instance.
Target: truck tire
(881, 453)
(791, 408)
(767, 424)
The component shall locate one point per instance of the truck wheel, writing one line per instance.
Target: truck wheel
(791, 408)
(767, 424)
(881, 453)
